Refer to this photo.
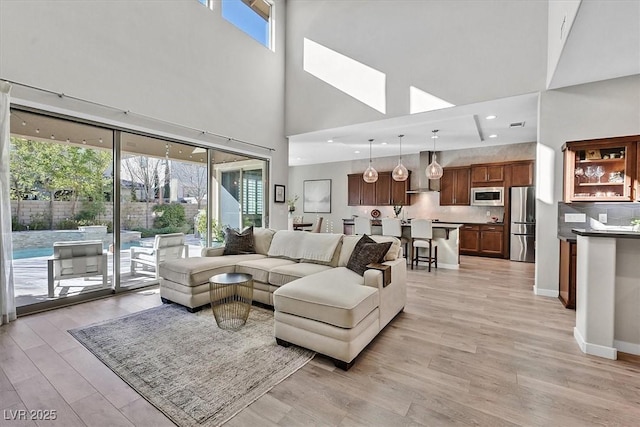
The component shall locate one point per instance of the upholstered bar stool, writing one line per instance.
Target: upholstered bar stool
(393, 227)
(422, 237)
(362, 225)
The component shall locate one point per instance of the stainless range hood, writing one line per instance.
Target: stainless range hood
(420, 183)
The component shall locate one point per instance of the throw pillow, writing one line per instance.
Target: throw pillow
(237, 243)
(365, 254)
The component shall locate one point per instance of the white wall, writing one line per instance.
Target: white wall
(562, 13)
(460, 51)
(424, 205)
(595, 110)
(175, 61)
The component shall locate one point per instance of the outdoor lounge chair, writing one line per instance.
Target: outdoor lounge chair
(165, 247)
(72, 260)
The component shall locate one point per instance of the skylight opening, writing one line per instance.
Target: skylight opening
(354, 78)
(421, 101)
(254, 17)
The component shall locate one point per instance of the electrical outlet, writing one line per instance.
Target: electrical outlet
(602, 218)
(488, 213)
(575, 217)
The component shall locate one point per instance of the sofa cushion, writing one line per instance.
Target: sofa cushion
(260, 268)
(287, 273)
(262, 239)
(236, 243)
(366, 254)
(396, 245)
(348, 244)
(196, 271)
(335, 296)
(318, 248)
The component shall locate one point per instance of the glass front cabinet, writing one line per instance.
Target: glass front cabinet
(601, 169)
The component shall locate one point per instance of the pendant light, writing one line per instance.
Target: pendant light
(370, 175)
(434, 170)
(400, 172)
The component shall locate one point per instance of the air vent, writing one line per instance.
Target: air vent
(516, 125)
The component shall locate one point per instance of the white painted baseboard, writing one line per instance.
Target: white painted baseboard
(551, 293)
(449, 266)
(627, 347)
(594, 349)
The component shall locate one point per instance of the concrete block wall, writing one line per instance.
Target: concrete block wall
(133, 214)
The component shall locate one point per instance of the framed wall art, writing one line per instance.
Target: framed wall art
(317, 196)
(278, 193)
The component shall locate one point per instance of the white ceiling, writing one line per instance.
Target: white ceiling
(458, 127)
(604, 43)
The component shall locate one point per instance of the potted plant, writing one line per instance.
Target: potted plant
(635, 222)
(217, 233)
(292, 203)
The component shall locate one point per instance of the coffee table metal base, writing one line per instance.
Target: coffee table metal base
(231, 297)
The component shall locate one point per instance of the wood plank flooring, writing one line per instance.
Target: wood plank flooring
(473, 347)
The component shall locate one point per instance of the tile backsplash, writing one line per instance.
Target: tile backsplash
(617, 214)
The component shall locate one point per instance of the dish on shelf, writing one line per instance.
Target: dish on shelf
(375, 213)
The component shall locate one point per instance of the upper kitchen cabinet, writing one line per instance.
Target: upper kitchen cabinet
(487, 175)
(384, 192)
(455, 187)
(600, 169)
(521, 174)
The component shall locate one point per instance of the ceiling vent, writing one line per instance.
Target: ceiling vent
(516, 125)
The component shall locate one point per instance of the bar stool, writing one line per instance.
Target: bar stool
(422, 237)
(362, 225)
(393, 227)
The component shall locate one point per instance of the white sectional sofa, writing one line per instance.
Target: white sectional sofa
(318, 302)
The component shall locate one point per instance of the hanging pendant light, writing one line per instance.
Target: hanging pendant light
(400, 173)
(370, 175)
(434, 170)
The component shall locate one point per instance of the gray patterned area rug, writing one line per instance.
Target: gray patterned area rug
(194, 372)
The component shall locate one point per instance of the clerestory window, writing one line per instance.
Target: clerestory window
(254, 17)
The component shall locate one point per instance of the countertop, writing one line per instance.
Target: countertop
(572, 238)
(618, 233)
(436, 223)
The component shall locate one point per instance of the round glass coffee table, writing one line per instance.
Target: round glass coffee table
(231, 296)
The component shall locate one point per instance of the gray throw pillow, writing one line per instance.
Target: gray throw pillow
(367, 253)
(237, 243)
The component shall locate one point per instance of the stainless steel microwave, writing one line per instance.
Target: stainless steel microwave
(487, 196)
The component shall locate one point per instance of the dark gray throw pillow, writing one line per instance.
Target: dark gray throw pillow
(367, 253)
(237, 243)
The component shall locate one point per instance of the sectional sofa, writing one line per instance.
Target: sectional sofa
(318, 302)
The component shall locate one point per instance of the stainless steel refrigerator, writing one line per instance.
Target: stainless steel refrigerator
(523, 223)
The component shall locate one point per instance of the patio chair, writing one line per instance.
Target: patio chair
(70, 260)
(165, 247)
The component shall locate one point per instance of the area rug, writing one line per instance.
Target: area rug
(192, 371)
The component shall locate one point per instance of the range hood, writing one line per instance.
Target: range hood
(420, 183)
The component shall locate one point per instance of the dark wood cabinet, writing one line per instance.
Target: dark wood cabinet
(601, 169)
(568, 259)
(455, 187)
(521, 174)
(353, 189)
(491, 240)
(482, 175)
(469, 239)
(384, 192)
(482, 240)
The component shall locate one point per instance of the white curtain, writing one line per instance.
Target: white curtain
(7, 301)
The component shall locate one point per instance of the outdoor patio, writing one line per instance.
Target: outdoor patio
(30, 276)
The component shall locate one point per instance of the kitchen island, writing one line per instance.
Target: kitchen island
(444, 233)
(608, 297)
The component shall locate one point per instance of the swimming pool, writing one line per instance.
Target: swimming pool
(46, 252)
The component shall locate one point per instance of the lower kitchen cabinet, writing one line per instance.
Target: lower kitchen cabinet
(568, 259)
(482, 240)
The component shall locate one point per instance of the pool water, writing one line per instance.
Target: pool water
(45, 252)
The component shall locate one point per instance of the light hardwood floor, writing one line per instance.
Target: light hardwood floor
(473, 346)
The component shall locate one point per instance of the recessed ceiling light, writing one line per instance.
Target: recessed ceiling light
(329, 140)
(493, 135)
(491, 117)
(298, 158)
(384, 143)
(357, 151)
